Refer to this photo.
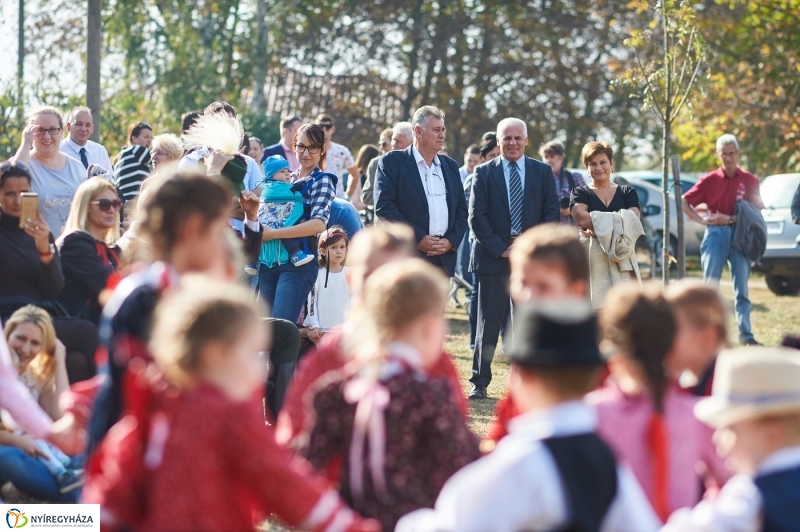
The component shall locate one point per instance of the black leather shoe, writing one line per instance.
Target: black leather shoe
(477, 392)
(751, 341)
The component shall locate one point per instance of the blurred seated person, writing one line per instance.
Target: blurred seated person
(34, 466)
(89, 256)
(30, 272)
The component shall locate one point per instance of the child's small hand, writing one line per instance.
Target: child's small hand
(26, 444)
(314, 334)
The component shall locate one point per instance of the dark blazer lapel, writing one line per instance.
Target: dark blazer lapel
(413, 175)
(500, 176)
(532, 191)
(451, 186)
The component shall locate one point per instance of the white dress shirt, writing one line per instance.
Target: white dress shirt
(507, 172)
(738, 508)
(436, 192)
(518, 487)
(95, 153)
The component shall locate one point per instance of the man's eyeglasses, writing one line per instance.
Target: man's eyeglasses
(53, 131)
(326, 126)
(312, 150)
(106, 205)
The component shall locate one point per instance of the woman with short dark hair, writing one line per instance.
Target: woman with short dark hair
(31, 274)
(608, 221)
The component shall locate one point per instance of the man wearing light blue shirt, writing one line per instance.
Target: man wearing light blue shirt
(78, 146)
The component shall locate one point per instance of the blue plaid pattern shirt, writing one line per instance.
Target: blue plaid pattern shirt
(563, 190)
(319, 196)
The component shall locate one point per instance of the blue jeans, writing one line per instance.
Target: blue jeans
(462, 262)
(715, 251)
(286, 287)
(31, 476)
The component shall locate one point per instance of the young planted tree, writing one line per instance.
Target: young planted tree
(667, 58)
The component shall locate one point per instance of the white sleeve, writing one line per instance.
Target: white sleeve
(496, 495)
(737, 509)
(107, 161)
(349, 162)
(630, 509)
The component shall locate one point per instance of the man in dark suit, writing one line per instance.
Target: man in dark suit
(284, 148)
(510, 194)
(418, 187)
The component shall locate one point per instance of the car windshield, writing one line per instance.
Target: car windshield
(778, 191)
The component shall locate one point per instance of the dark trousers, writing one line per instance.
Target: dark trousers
(283, 358)
(493, 300)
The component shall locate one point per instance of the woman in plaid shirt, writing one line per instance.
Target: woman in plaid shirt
(286, 286)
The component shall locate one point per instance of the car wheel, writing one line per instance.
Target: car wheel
(783, 286)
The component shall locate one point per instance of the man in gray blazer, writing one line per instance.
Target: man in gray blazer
(510, 194)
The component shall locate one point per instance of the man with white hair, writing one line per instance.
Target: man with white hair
(402, 135)
(510, 194)
(720, 190)
(78, 145)
(421, 188)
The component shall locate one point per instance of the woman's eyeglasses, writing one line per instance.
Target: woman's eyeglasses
(106, 205)
(312, 150)
(53, 131)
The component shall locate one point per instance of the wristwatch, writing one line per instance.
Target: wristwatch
(51, 249)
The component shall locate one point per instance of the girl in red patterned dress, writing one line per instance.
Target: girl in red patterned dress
(208, 461)
(399, 431)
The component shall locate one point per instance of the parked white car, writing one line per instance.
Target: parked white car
(781, 261)
(652, 200)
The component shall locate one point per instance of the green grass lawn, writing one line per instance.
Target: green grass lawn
(771, 318)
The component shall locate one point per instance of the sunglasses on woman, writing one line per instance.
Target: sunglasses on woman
(106, 205)
(7, 165)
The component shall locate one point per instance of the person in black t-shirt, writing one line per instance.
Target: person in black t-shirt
(601, 194)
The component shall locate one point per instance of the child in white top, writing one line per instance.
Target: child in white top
(330, 297)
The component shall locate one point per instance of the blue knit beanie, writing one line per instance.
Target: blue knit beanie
(274, 164)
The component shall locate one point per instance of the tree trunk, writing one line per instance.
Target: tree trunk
(667, 117)
(94, 34)
(258, 103)
(676, 177)
(21, 64)
(413, 59)
(665, 255)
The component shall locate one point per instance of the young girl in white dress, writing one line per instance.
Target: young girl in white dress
(330, 297)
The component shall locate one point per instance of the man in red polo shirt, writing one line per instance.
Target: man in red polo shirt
(720, 190)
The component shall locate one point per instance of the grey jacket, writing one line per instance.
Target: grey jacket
(750, 233)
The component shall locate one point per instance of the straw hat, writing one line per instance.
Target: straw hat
(752, 382)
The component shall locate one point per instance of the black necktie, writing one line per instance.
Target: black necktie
(84, 160)
(515, 202)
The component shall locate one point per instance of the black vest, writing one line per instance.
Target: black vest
(781, 494)
(588, 470)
